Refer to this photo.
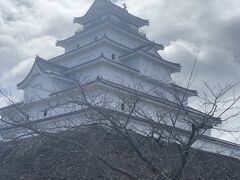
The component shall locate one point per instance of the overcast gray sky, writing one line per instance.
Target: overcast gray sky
(30, 27)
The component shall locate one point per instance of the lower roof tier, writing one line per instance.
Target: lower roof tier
(46, 78)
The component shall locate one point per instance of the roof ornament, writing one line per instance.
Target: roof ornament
(125, 6)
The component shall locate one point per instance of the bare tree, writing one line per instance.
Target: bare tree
(148, 133)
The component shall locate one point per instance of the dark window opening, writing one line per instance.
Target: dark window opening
(96, 38)
(113, 56)
(122, 107)
(45, 113)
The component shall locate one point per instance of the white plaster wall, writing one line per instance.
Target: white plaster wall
(111, 73)
(62, 84)
(154, 70)
(89, 73)
(91, 53)
(41, 86)
(218, 146)
(133, 62)
(134, 81)
(79, 57)
(88, 38)
(108, 50)
(121, 37)
(148, 68)
(149, 108)
(36, 109)
(112, 32)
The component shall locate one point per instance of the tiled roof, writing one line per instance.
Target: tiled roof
(143, 49)
(86, 30)
(48, 66)
(103, 38)
(114, 85)
(149, 46)
(100, 7)
(51, 68)
(101, 57)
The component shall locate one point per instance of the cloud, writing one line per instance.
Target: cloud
(3, 102)
(31, 27)
(8, 100)
(185, 26)
(26, 30)
(17, 71)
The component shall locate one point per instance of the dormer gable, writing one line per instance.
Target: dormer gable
(149, 52)
(44, 68)
(154, 52)
(151, 47)
(43, 79)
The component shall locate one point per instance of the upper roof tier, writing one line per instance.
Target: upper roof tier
(102, 7)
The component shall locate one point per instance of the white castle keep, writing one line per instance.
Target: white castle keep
(111, 56)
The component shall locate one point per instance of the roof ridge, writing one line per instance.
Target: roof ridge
(41, 64)
(58, 42)
(102, 56)
(91, 43)
(40, 59)
(109, 7)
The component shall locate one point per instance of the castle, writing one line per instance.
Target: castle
(111, 55)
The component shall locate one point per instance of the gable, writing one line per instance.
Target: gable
(154, 52)
(40, 86)
(35, 72)
(44, 68)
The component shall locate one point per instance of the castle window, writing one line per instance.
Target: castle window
(122, 107)
(45, 113)
(113, 56)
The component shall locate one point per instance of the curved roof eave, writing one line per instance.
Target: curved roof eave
(189, 91)
(104, 38)
(22, 83)
(63, 42)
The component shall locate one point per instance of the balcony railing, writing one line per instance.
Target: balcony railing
(117, 22)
